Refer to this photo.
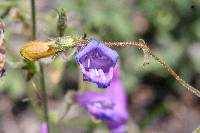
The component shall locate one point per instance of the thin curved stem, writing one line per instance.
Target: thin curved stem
(118, 44)
(173, 73)
(136, 44)
(43, 89)
(44, 97)
(146, 51)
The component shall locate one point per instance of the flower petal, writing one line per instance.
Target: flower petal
(97, 61)
(110, 106)
(96, 103)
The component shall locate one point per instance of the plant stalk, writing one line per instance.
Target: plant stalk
(33, 16)
(43, 89)
(173, 73)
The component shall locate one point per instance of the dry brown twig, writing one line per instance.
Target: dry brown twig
(2, 50)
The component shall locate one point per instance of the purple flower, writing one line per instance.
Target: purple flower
(110, 106)
(44, 128)
(97, 62)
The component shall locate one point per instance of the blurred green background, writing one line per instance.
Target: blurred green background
(157, 102)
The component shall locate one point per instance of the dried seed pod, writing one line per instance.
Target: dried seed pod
(37, 49)
(2, 50)
(2, 60)
(145, 50)
(146, 56)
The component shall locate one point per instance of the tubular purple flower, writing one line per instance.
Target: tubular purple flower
(110, 106)
(44, 128)
(97, 62)
(117, 94)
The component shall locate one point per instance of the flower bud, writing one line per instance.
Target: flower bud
(37, 49)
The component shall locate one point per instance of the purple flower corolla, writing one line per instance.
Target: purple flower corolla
(97, 62)
(44, 128)
(109, 106)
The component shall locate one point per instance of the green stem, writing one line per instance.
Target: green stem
(44, 93)
(147, 51)
(66, 110)
(45, 97)
(33, 14)
(173, 73)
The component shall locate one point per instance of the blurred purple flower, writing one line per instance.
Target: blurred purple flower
(110, 106)
(44, 128)
(97, 62)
